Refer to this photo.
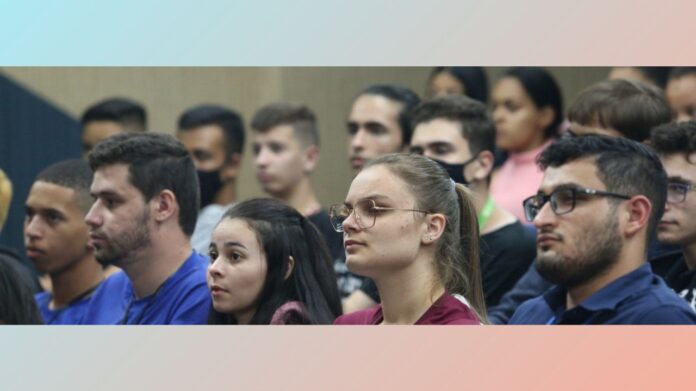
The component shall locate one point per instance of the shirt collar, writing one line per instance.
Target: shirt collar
(607, 298)
(528, 156)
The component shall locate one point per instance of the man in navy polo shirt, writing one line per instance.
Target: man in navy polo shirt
(599, 202)
(147, 200)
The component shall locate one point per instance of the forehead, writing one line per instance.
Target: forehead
(207, 136)
(112, 178)
(96, 131)
(582, 172)
(50, 195)
(439, 130)
(378, 181)
(235, 230)
(375, 108)
(284, 134)
(685, 85)
(509, 88)
(676, 164)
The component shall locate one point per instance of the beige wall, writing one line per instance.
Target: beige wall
(166, 92)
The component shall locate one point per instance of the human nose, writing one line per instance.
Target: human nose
(261, 159)
(350, 223)
(358, 140)
(545, 216)
(93, 218)
(31, 228)
(214, 270)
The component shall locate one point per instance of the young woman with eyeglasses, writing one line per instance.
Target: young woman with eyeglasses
(413, 231)
(270, 265)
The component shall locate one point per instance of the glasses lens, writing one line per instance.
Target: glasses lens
(562, 201)
(676, 192)
(530, 210)
(365, 213)
(338, 213)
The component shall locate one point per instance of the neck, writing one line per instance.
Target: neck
(499, 218)
(244, 318)
(690, 255)
(533, 144)
(69, 284)
(408, 293)
(629, 260)
(149, 269)
(227, 195)
(301, 197)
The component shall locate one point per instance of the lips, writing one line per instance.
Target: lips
(34, 252)
(544, 240)
(217, 290)
(264, 177)
(357, 162)
(351, 245)
(95, 239)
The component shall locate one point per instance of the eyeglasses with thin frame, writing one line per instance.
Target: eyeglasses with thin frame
(676, 191)
(562, 200)
(365, 213)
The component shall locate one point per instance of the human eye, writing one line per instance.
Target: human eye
(276, 147)
(376, 129)
(53, 217)
(564, 198)
(417, 150)
(352, 128)
(213, 254)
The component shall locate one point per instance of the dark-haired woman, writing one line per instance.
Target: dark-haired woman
(270, 265)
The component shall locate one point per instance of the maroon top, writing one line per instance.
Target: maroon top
(446, 310)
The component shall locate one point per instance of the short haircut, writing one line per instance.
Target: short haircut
(228, 120)
(399, 94)
(624, 166)
(674, 138)
(477, 127)
(127, 113)
(301, 118)
(679, 72)
(5, 197)
(473, 79)
(630, 107)
(544, 91)
(155, 162)
(74, 174)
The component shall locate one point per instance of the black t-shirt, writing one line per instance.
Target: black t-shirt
(505, 256)
(683, 281)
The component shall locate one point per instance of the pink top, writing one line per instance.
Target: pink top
(446, 310)
(518, 178)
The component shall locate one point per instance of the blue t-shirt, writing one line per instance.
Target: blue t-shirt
(639, 297)
(184, 298)
(72, 314)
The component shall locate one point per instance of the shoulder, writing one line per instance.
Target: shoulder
(531, 312)
(449, 310)
(659, 305)
(292, 312)
(364, 317)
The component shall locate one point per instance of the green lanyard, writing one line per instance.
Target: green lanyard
(486, 213)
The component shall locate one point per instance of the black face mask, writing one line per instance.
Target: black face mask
(456, 171)
(210, 184)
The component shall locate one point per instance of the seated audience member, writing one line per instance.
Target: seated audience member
(467, 81)
(17, 305)
(681, 93)
(676, 145)
(411, 229)
(147, 199)
(527, 111)
(108, 117)
(620, 108)
(270, 265)
(286, 153)
(598, 205)
(657, 76)
(379, 123)
(10, 254)
(214, 136)
(57, 240)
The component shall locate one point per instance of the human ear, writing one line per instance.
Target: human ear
(434, 227)
(291, 267)
(311, 158)
(230, 170)
(637, 211)
(165, 205)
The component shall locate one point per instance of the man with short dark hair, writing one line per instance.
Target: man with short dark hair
(57, 240)
(681, 93)
(619, 108)
(457, 133)
(379, 122)
(597, 207)
(676, 145)
(286, 153)
(214, 136)
(147, 201)
(108, 117)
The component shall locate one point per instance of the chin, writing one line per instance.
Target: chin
(357, 266)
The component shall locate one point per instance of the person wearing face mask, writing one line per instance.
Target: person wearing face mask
(214, 136)
(457, 133)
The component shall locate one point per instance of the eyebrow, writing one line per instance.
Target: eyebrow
(374, 197)
(104, 193)
(679, 179)
(436, 144)
(564, 185)
(234, 244)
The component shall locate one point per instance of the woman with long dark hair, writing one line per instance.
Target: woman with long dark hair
(270, 265)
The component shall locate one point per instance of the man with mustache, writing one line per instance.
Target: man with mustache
(598, 205)
(147, 199)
